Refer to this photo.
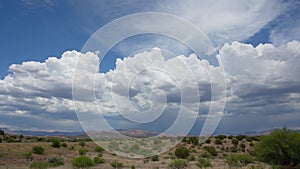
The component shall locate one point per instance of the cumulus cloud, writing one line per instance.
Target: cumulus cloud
(261, 82)
(42, 90)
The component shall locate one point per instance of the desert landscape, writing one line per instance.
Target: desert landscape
(222, 151)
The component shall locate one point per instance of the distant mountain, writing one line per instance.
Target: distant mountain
(41, 133)
(264, 132)
(7, 131)
(136, 133)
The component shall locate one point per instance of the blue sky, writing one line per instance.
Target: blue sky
(34, 30)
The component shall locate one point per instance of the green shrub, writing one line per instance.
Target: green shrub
(232, 161)
(82, 143)
(222, 137)
(240, 137)
(255, 138)
(182, 152)
(204, 163)
(258, 166)
(98, 160)
(1, 154)
(230, 137)
(82, 162)
(2, 132)
(10, 140)
(238, 160)
(39, 165)
(207, 141)
(249, 139)
(82, 151)
(38, 149)
(242, 145)
(155, 158)
(27, 155)
(245, 159)
(205, 155)
(55, 162)
(55, 143)
(235, 141)
(211, 150)
(64, 145)
(233, 149)
(193, 140)
(116, 164)
(178, 164)
(191, 158)
(72, 148)
(281, 148)
(99, 149)
(133, 167)
(218, 141)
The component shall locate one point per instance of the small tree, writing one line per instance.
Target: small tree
(55, 142)
(281, 147)
(2, 132)
(182, 152)
(178, 164)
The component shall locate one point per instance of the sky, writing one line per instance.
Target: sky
(149, 75)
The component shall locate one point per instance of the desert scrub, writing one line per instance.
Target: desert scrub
(82, 162)
(82, 151)
(98, 160)
(38, 150)
(39, 165)
(182, 152)
(211, 150)
(116, 164)
(28, 155)
(155, 158)
(239, 160)
(64, 145)
(218, 141)
(82, 143)
(55, 162)
(55, 143)
(178, 164)
(99, 149)
(204, 163)
(205, 155)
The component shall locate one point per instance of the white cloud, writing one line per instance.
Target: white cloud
(226, 21)
(261, 81)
